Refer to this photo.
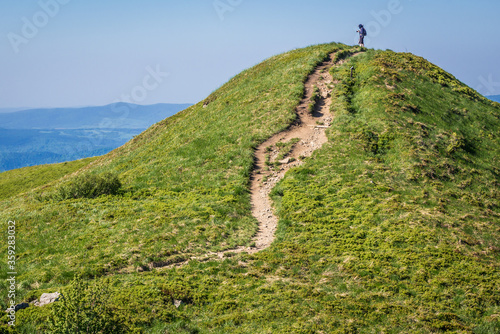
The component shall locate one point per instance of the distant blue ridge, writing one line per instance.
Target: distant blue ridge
(495, 98)
(116, 115)
(45, 136)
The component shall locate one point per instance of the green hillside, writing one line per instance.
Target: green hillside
(392, 226)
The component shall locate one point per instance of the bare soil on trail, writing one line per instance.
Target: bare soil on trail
(305, 136)
(280, 153)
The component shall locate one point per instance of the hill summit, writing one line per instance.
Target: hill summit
(383, 171)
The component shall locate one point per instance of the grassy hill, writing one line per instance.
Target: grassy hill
(392, 226)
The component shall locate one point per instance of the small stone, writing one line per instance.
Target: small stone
(48, 298)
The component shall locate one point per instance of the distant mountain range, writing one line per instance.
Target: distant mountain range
(43, 136)
(494, 98)
(5, 110)
(117, 115)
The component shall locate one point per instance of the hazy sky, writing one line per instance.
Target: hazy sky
(61, 53)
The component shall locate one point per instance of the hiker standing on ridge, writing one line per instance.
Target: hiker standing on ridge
(362, 34)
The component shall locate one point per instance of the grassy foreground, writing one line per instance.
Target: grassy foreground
(393, 226)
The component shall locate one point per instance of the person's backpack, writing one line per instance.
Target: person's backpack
(363, 31)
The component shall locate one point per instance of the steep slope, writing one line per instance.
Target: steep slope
(391, 226)
(185, 184)
(397, 217)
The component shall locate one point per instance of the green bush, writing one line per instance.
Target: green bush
(18, 181)
(90, 186)
(85, 308)
(4, 327)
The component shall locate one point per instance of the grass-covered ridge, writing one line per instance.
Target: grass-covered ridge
(399, 212)
(393, 226)
(184, 184)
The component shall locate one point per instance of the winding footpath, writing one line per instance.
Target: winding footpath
(303, 137)
(308, 133)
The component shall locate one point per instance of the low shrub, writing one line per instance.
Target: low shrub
(90, 186)
(84, 308)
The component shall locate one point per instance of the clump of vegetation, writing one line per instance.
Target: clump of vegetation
(85, 308)
(310, 107)
(286, 148)
(90, 186)
(315, 97)
(21, 180)
(268, 159)
(341, 55)
(343, 91)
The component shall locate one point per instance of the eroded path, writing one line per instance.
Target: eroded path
(278, 154)
(287, 149)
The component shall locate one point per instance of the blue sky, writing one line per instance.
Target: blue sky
(63, 53)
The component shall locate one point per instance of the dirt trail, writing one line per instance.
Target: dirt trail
(305, 136)
(277, 155)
